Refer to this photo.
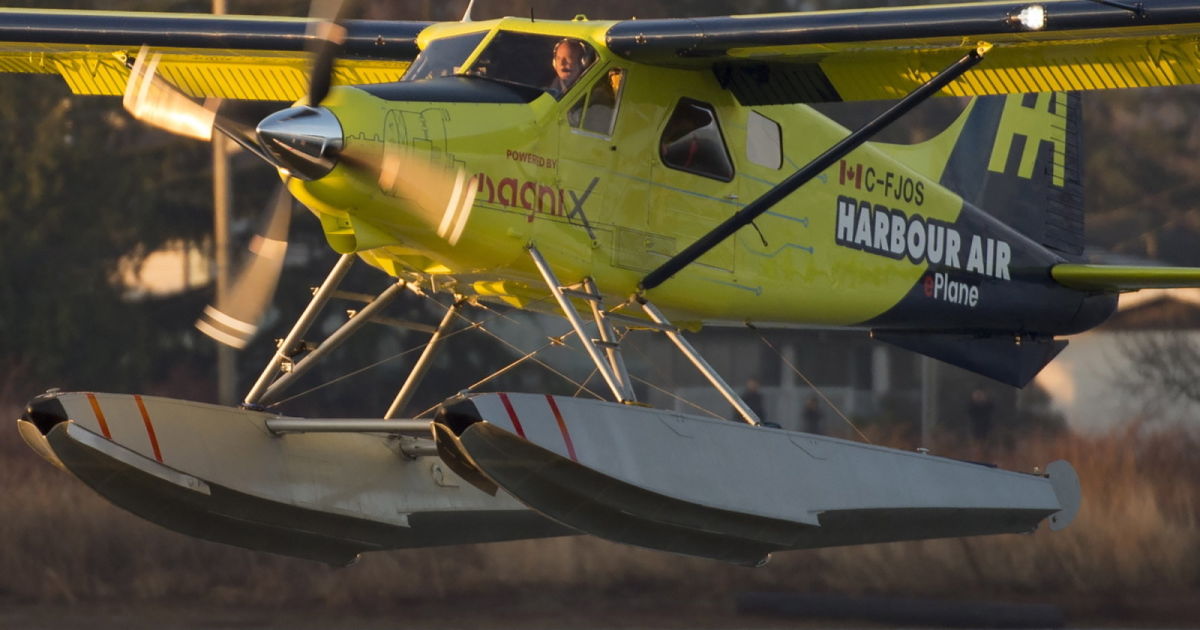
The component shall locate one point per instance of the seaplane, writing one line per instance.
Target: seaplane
(633, 176)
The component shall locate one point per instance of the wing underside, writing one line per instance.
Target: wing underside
(205, 56)
(886, 53)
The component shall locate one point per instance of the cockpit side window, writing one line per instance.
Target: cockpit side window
(597, 113)
(692, 142)
(443, 57)
(545, 62)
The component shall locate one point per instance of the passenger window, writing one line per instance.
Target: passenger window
(764, 141)
(598, 112)
(692, 142)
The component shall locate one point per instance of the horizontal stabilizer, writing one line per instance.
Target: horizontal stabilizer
(1124, 277)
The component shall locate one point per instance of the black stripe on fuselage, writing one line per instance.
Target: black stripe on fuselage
(1025, 299)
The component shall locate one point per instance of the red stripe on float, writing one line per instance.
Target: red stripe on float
(562, 426)
(149, 427)
(99, 415)
(512, 415)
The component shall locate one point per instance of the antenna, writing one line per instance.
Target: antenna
(531, 20)
(470, 7)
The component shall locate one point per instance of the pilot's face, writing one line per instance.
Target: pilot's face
(567, 62)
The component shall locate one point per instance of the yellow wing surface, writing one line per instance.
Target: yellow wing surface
(206, 56)
(1059, 45)
(885, 53)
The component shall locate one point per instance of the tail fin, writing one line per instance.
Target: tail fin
(1017, 157)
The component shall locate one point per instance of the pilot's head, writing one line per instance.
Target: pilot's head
(568, 61)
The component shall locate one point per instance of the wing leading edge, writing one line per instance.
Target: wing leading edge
(886, 53)
(227, 57)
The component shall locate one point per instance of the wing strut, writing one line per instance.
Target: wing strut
(772, 197)
(612, 366)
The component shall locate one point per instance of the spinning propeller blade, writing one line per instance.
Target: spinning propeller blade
(305, 142)
(328, 36)
(233, 319)
(156, 102)
(441, 195)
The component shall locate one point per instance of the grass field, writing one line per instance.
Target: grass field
(1135, 546)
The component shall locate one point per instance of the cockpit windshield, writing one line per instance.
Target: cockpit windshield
(545, 62)
(443, 57)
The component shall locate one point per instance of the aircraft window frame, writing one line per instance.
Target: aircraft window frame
(446, 54)
(581, 113)
(697, 137)
(519, 59)
(764, 141)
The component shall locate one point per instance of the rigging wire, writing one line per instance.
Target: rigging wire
(376, 364)
(365, 368)
(677, 397)
(662, 390)
(596, 370)
(528, 356)
(811, 385)
(525, 357)
(553, 341)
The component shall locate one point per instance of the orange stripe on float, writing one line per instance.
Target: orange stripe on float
(149, 427)
(562, 426)
(99, 415)
(512, 415)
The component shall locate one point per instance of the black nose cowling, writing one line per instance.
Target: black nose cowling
(306, 141)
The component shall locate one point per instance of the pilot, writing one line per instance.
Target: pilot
(568, 65)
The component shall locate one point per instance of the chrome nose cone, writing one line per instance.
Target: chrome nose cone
(305, 140)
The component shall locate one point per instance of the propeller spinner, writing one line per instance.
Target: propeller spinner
(305, 141)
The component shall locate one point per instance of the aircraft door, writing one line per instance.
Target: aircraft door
(588, 155)
(694, 188)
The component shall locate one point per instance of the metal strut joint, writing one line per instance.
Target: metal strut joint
(611, 367)
(290, 343)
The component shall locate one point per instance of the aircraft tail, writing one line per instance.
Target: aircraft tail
(1018, 158)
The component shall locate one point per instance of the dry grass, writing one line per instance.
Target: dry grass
(1136, 537)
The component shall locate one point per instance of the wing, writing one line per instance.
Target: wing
(885, 53)
(226, 57)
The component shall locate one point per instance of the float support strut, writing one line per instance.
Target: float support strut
(289, 345)
(423, 363)
(707, 370)
(621, 391)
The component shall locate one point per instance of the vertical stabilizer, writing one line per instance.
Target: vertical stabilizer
(1018, 158)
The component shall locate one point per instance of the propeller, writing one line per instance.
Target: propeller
(442, 196)
(233, 318)
(304, 142)
(327, 36)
